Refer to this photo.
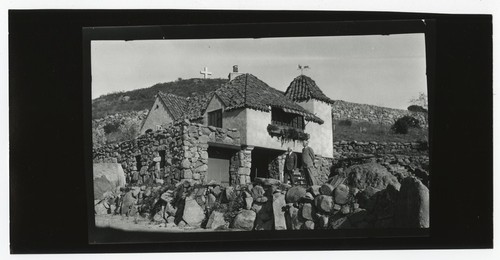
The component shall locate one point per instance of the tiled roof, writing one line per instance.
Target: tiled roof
(185, 107)
(303, 88)
(248, 91)
(176, 105)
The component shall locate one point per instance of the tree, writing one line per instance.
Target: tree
(402, 125)
(129, 128)
(421, 100)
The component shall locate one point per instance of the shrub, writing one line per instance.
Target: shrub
(345, 122)
(111, 127)
(272, 128)
(415, 108)
(402, 125)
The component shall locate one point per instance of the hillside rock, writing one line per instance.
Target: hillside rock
(369, 175)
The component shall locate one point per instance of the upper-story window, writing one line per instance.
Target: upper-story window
(215, 118)
(282, 118)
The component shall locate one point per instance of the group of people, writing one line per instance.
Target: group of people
(308, 165)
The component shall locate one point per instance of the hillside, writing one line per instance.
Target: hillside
(140, 99)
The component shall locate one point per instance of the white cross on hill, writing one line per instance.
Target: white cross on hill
(205, 73)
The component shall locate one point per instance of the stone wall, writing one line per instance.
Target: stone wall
(352, 149)
(401, 159)
(374, 114)
(183, 144)
(323, 168)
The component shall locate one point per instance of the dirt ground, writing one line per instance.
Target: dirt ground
(142, 224)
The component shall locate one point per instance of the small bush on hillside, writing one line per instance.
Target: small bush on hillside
(345, 122)
(415, 108)
(402, 125)
(111, 127)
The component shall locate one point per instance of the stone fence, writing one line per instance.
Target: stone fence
(374, 114)
(178, 151)
(352, 149)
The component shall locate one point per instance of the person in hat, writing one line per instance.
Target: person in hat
(308, 165)
(290, 165)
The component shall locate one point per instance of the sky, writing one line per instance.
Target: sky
(379, 70)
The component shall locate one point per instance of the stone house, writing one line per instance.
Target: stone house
(267, 121)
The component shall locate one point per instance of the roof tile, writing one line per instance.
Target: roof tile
(303, 88)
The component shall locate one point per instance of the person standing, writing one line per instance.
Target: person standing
(308, 165)
(290, 165)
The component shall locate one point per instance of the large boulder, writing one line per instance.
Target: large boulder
(412, 207)
(193, 214)
(369, 175)
(307, 211)
(100, 209)
(293, 220)
(127, 202)
(216, 220)
(324, 203)
(108, 177)
(294, 194)
(244, 220)
(257, 192)
(341, 194)
(308, 225)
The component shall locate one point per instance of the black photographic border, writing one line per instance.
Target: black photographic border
(46, 51)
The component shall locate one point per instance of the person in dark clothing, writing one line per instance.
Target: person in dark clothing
(290, 165)
(308, 165)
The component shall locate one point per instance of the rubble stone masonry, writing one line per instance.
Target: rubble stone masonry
(178, 151)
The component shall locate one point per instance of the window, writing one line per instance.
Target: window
(215, 118)
(282, 118)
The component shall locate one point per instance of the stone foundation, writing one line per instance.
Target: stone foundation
(179, 152)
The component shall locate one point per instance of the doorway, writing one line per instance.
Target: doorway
(262, 162)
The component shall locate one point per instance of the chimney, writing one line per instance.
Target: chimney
(235, 73)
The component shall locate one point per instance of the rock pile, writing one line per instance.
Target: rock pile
(364, 196)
